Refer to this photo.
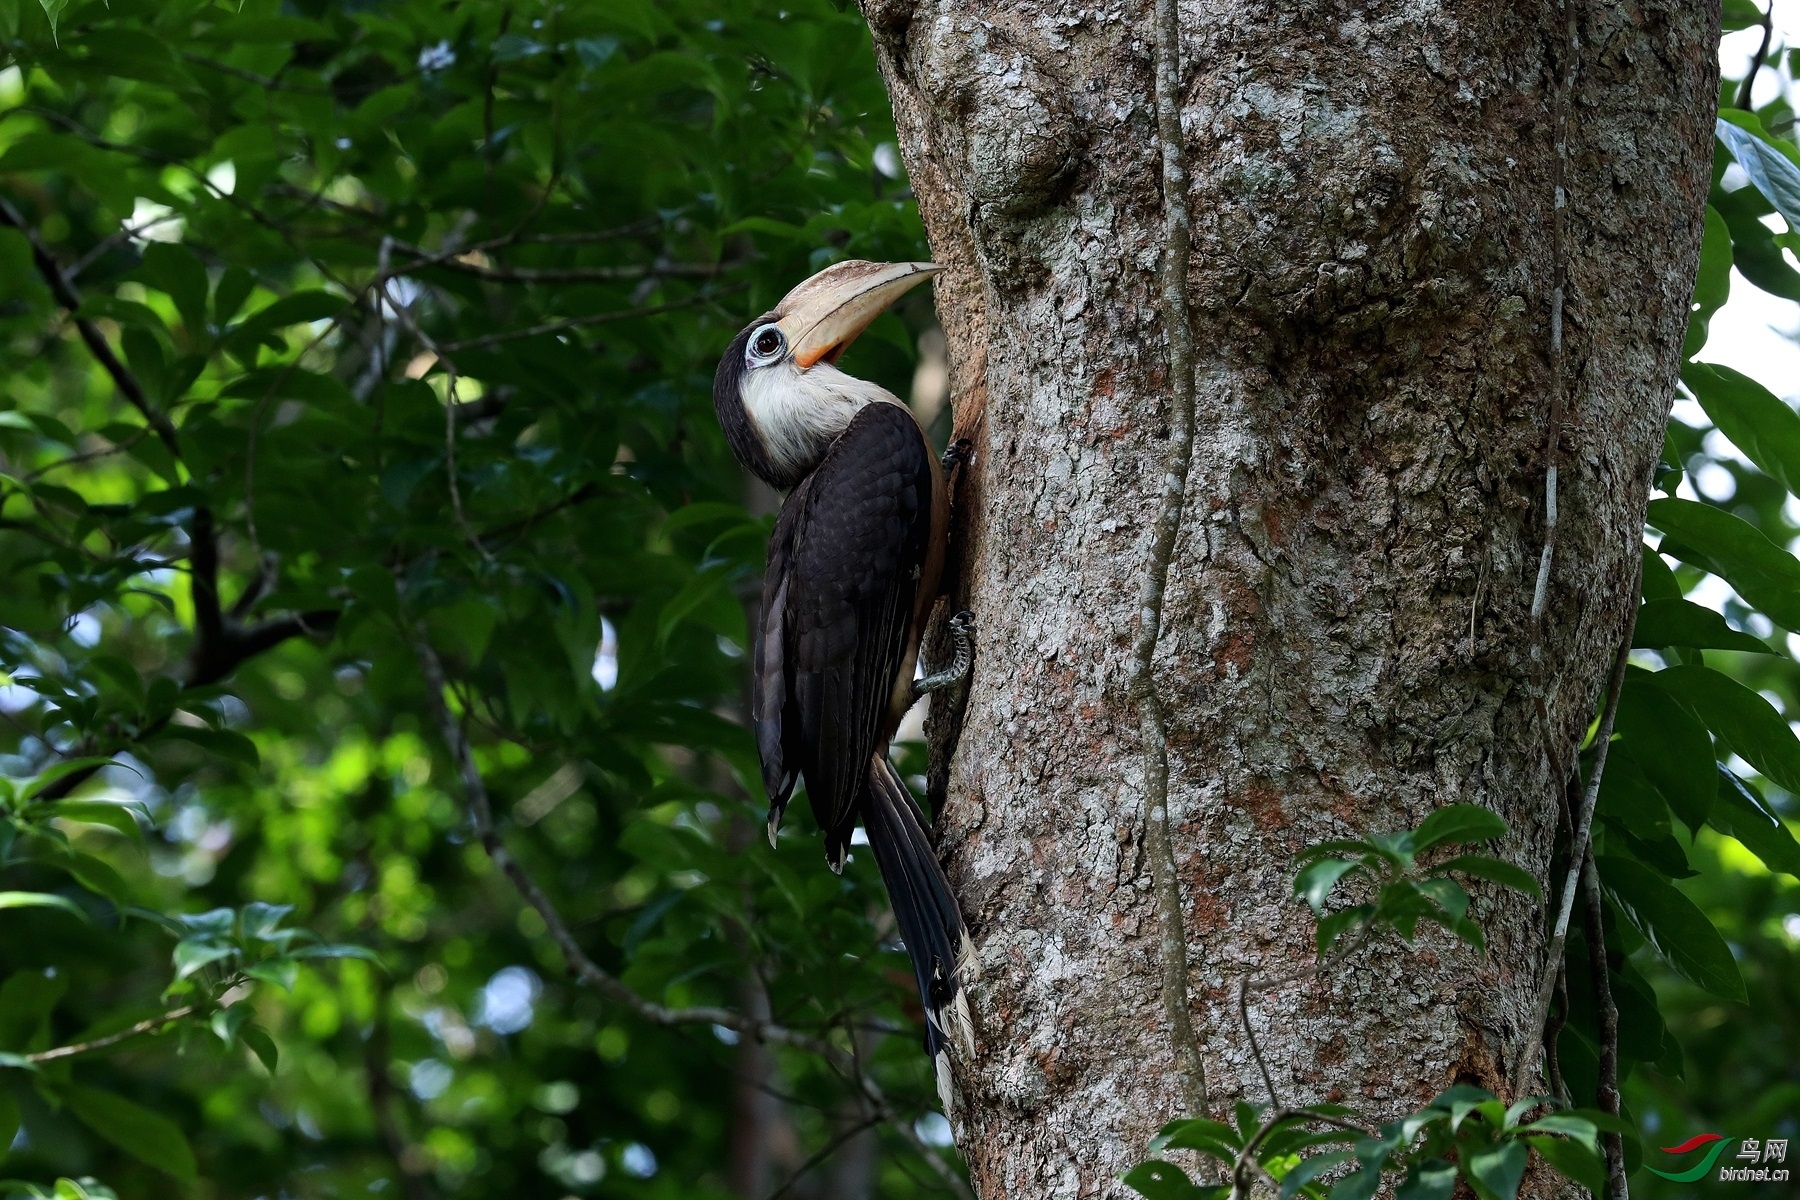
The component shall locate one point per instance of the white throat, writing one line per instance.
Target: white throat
(799, 413)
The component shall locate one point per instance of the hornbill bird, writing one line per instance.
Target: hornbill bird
(852, 577)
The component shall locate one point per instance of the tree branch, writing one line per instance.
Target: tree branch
(1607, 1093)
(1757, 60)
(1177, 320)
(147, 1025)
(69, 298)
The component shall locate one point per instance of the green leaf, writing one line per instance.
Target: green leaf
(1572, 1160)
(1763, 573)
(121, 817)
(63, 770)
(1673, 924)
(1457, 823)
(1333, 927)
(193, 953)
(1740, 718)
(1358, 1185)
(1769, 169)
(144, 1135)
(40, 900)
(282, 971)
(1315, 882)
(1496, 1173)
(1763, 427)
(1669, 744)
(1159, 1180)
(1683, 623)
(9, 1121)
(260, 920)
(1310, 1169)
(1431, 1180)
(226, 743)
(338, 950)
(53, 9)
(1659, 581)
(1742, 813)
(1198, 1133)
(1712, 283)
(261, 1045)
(1484, 866)
(174, 269)
(1566, 1124)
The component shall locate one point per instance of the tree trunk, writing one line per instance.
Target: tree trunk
(1348, 641)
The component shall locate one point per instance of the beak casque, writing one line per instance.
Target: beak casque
(823, 315)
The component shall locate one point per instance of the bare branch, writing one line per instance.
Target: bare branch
(147, 1025)
(1177, 321)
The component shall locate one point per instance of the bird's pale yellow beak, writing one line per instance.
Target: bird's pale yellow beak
(823, 315)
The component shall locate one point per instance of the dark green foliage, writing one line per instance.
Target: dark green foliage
(414, 310)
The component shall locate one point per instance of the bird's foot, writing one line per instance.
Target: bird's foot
(961, 452)
(962, 638)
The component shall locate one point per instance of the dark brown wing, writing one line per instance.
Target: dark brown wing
(769, 684)
(842, 584)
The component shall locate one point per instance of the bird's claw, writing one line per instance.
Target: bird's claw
(960, 452)
(962, 638)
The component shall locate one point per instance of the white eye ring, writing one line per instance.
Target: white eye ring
(766, 344)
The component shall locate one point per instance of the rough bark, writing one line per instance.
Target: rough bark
(1348, 636)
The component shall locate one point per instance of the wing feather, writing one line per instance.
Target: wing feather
(848, 579)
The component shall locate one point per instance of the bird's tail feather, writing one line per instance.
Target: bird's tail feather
(930, 921)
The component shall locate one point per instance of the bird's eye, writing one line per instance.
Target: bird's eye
(766, 343)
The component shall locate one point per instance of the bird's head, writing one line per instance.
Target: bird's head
(778, 393)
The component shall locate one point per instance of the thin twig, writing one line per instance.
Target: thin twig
(601, 318)
(1246, 985)
(1756, 60)
(606, 274)
(1607, 1092)
(66, 295)
(1559, 1017)
(825, 1152)
(1533, 1038)
(147, 1025)
(1177, 320)
(1247, 1156)
(1255, 1046)
(450, 401)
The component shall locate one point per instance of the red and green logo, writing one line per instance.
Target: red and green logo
(1715, 1143)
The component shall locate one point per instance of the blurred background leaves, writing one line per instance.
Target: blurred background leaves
(414, 311)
